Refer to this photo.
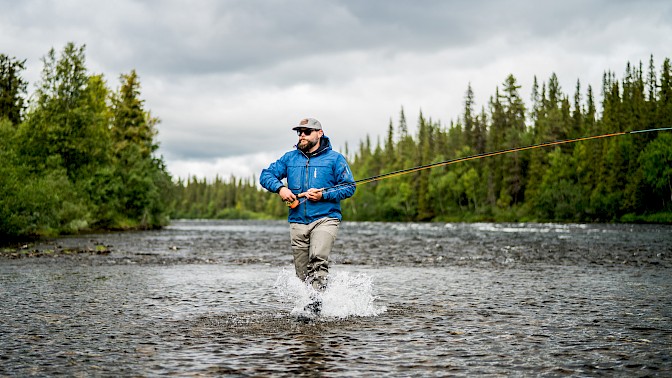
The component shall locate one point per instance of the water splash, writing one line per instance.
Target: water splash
(346, 295)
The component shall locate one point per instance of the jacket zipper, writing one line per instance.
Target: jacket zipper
(305, 206)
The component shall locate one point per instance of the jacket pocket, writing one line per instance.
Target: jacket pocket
(321, 176)
(295, 178)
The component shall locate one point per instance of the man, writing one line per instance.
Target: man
(318, 178)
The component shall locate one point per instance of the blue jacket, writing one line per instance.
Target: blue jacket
(323, 169)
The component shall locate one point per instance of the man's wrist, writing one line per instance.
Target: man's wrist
(280, 188)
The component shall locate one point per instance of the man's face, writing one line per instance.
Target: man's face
(308, 139)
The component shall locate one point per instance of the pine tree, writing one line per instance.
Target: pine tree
(495, 142)
(424, 153)
(140, 174)
(131, 124)
(12, 89)
(664, 106)
(468, 118)
(514, 166)
(577, 113)
(70, 119)
(390, 155)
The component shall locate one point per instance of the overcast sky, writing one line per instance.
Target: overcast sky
(229, 79)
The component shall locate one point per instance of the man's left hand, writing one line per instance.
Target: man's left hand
(313, 194)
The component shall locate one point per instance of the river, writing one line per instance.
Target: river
(218, 298)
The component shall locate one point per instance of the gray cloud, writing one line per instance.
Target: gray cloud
(228, 77)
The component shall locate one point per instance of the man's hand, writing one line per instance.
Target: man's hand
(286, 194)
(312, 194)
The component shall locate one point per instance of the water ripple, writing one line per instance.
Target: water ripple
(216, 299)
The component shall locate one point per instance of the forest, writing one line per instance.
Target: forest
(79, 156)
(621, 179)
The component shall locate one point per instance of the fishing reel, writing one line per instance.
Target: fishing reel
(292, 205)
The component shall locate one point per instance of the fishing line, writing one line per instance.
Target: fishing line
(473, 157)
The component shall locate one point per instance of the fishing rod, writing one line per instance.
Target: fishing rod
(468, 158)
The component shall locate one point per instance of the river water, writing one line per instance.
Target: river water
(218, 298)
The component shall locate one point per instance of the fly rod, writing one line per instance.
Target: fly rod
(472, 157)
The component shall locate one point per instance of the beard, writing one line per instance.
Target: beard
(305, 145)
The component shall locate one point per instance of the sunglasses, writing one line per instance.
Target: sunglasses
(305, 132)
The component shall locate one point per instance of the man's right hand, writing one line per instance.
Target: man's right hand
(286, 194)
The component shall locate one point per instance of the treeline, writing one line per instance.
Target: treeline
(224, 199)
(78, 155)
(619, 179)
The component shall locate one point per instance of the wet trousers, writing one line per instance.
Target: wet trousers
(311, 245)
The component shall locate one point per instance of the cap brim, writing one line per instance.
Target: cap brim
(304, 127)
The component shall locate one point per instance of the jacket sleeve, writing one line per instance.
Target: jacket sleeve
(345, 182)
(270, 178)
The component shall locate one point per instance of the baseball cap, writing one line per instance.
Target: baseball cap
(309, 123)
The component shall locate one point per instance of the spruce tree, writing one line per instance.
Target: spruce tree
(12, 89)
